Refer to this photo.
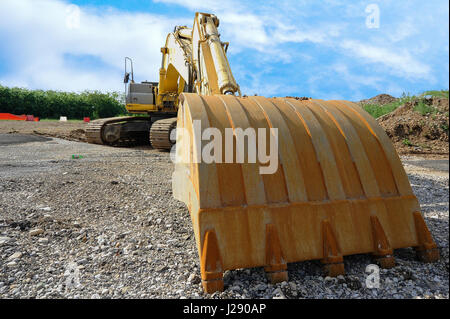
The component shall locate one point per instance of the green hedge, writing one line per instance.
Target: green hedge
(53, 104)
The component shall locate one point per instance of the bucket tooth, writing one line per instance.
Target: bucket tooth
(383, 252)
(276, 268)
(332, 260)
(211, 264)
(427, 250)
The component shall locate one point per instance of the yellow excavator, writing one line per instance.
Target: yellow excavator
(337, 188)
(193, 60)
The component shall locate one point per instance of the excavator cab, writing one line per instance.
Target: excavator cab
(141, 96)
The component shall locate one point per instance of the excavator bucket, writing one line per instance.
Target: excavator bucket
(338, 189)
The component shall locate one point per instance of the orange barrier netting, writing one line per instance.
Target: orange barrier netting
(12, 117)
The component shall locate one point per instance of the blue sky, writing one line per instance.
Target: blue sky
(322, 49)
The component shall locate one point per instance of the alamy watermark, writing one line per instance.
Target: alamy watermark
(73, 17)
(373, 17)
(373, 279)
(251, 146)
(72, 274)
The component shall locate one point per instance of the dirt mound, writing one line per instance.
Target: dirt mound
(416, 132)
(73, 135)
(379, 99)
(78, 134)
(300, 98)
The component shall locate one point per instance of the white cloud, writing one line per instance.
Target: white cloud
(40, 36)
(271, 26)
(401, 63)
(307, 40)
(405, 29)
(212, 6)
(43, 31)
(261, 27)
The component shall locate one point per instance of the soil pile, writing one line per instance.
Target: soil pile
(379, 99)
(419, 132)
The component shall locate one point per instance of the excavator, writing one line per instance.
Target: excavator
(338, 187)
(185, 67)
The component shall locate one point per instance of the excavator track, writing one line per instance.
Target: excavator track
(119, 131)
(160, 133)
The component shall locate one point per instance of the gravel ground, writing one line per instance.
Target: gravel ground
(109, 220)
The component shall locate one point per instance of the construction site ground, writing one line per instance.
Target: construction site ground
(107, 215)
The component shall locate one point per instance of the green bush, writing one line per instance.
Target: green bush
(424, 109)
(377, 110)
(406, 142)
(436, 93)
(53, 104)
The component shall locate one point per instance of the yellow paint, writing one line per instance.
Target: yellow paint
(141, 107)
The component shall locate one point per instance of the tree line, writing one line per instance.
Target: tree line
(53, 104)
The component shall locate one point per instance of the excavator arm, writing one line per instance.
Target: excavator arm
(175, 72)
(214, 74)
(194, 60)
